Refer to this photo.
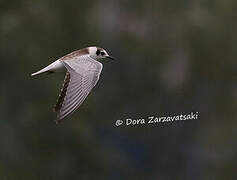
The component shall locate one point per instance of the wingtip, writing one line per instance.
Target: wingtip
(58, 121)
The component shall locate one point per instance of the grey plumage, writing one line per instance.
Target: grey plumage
(84, 74)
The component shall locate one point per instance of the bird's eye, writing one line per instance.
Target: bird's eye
(102, 53)
(97, 52)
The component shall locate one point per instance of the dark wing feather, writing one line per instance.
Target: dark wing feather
(83, 76)
(62, 94)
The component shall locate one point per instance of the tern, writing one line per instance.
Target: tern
(82, 73)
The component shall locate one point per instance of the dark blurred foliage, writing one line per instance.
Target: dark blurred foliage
(173, 57)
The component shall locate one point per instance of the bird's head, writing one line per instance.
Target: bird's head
(98, 53)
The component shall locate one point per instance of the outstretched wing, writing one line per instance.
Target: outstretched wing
(82, 75)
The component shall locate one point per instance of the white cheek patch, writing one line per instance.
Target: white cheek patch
(92, 51)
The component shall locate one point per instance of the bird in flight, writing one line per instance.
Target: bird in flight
(82, 73)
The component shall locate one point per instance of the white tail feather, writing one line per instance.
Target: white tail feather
(55, 66)
(38, 72)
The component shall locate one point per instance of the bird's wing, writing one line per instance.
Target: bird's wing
(82, 75)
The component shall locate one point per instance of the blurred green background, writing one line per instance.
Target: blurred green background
(173, 57)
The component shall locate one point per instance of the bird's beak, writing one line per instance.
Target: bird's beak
(110, 57)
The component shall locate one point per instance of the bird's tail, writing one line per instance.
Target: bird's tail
(53, 67)
(40, 71)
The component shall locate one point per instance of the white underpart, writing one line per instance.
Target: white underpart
(56, 66)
